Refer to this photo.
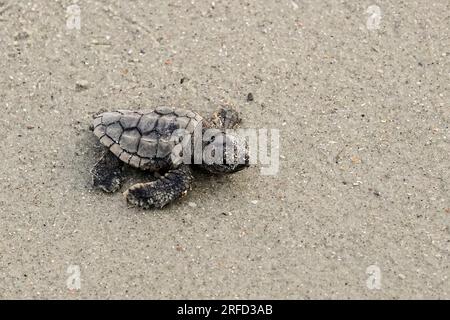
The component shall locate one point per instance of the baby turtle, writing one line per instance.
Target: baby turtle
(161, 141)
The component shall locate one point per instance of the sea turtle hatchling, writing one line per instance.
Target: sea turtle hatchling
(145, 140)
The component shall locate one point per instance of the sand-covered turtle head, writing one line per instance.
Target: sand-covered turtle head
(224, 152)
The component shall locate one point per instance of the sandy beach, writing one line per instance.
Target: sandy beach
(359, 91)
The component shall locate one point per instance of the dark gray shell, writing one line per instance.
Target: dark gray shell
(143, 139)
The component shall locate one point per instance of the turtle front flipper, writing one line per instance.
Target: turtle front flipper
(107, 173)
(173, 185)
(225, 118)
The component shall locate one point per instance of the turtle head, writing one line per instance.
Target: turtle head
(224, 152)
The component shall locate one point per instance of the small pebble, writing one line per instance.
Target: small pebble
(355, 160)
(254, 201)
(192, 204)
(250, 97)
(81, 85)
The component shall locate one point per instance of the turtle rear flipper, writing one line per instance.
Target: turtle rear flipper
(107, 173)
(173, 185)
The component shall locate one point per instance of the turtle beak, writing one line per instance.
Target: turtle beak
(246, 162)
(244, 158)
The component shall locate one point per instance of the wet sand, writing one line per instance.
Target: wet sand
(360, 206)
